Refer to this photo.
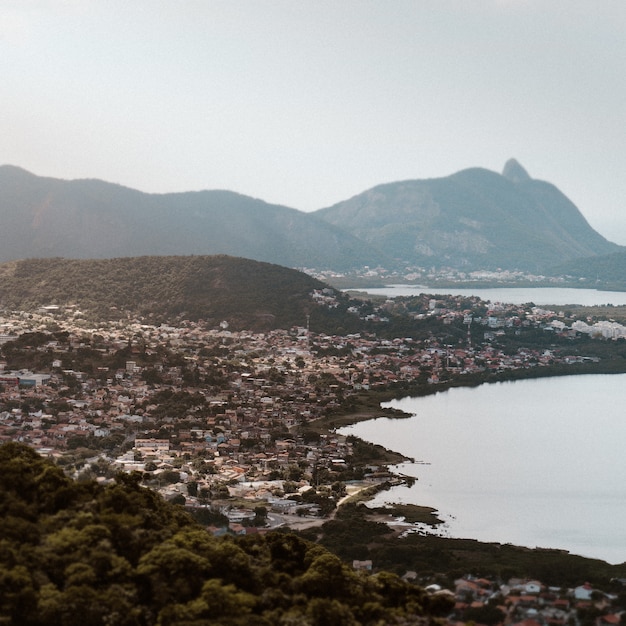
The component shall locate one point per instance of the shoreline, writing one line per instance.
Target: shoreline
(363, 285)
(370, 400)
(370, 409)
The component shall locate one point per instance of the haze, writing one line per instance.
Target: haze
(308, 103)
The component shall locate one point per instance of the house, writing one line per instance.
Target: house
(362, 565)
(583, 592)
(237, 529)
(152, 445)
(531, 587)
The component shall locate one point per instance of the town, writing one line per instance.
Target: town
(241, 425)
(206, 411)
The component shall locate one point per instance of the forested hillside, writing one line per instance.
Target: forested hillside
(85, 554)
(247, 294)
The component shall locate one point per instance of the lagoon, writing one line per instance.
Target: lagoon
(560, 296)
(537, 463)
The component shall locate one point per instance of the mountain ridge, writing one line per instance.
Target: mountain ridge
(89, 218)
(472, 219)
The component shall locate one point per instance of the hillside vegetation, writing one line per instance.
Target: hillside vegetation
(85, 554)
(247, 294)
(604, 272)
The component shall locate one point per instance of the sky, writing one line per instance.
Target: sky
(306, 103)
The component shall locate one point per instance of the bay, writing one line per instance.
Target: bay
(560, 296)
(537, 463)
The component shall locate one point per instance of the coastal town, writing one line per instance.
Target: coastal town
(242, 425)
(203, 411)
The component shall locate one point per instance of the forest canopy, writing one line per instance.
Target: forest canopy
(249, 294)
(84, 553)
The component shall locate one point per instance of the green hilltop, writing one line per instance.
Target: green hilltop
(245, 293)
(607, 272)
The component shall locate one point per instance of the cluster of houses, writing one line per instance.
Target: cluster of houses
(530, 603)
(229, 416)
(218, 406)
(432, 276)
(292, 377)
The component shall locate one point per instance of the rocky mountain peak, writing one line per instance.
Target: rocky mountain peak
(515, 172)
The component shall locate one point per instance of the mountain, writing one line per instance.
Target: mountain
(47, 217)
(245, 293)
(473, 219)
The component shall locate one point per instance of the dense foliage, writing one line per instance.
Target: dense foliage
(90, 554)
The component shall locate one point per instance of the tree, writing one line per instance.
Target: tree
(179, 498)
(327, 577)
(260, 516)
(173, 574)
(204, 495)
(324, 612)
(219, 603)
(170, 477)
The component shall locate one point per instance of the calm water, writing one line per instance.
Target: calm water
(513, 295)
(539, 463)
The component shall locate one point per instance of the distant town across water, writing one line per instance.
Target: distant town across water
(559, 296)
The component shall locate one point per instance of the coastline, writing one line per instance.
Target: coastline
(369, 402)
(363, 284)
(395, 541)
(414, 515)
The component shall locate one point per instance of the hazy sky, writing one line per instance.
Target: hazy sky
(306, 103)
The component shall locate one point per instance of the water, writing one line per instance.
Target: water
(513, 295)
(538, 463)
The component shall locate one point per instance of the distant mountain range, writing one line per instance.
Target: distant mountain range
(474, 219)
(84, 219)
